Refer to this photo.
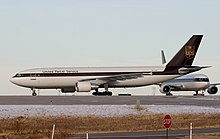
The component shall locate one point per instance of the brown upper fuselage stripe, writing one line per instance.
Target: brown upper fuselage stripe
(86, 74)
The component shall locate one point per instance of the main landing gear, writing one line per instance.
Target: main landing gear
(105, 93)
(34, 92)
(169, 94)
(199, 94)
(96, 93)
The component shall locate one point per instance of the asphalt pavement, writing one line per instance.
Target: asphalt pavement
(210, 101)
(172, 134)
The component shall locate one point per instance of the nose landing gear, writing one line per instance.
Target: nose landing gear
(34, 92)
(199, 94)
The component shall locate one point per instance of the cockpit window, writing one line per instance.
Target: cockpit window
(19, 75)
(27, 75)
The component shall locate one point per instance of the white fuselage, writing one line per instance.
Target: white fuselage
(54, 78)
(194, 82)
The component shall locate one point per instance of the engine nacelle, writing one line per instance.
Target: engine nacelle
(83, 87)
(212, 89)
(165, 89)
(68, 90)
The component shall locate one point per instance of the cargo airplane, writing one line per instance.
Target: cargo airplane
(85, 79)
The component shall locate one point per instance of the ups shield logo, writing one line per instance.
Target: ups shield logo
(189, 52)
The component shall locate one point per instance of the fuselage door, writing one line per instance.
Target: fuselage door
(33, 76)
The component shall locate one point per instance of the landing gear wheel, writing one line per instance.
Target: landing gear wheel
(196, 94)
(107, 93)
(169, 94)
(95, 93)
(102, 93)
(34, 94)
(199, 94)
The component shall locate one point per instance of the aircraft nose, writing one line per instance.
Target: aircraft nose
(17, 80)
(12, 80)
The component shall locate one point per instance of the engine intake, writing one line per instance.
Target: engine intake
(212, 89)
(165, 89)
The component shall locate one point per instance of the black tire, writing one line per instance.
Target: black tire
(169, 94)
(198, 94)
(102, 93)
(109, 93)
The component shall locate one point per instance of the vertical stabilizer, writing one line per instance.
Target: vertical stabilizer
(186, 55)
(163, 57)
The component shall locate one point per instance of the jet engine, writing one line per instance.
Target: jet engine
(85, 87)
(212, 89)
(165, 89)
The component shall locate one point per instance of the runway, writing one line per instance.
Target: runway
(210, 101)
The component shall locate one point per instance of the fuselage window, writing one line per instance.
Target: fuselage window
(33, 75)
(202, 79)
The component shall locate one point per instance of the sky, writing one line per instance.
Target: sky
(72, 33)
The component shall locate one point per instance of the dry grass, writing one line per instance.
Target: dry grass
(40, 127)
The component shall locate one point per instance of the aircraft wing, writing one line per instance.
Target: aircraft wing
(172, 86)
(176, 87)
(215, 84)
(114, 78)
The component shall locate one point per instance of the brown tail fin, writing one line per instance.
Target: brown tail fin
(186, 55)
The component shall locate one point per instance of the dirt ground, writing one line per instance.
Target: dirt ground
(41, 127)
